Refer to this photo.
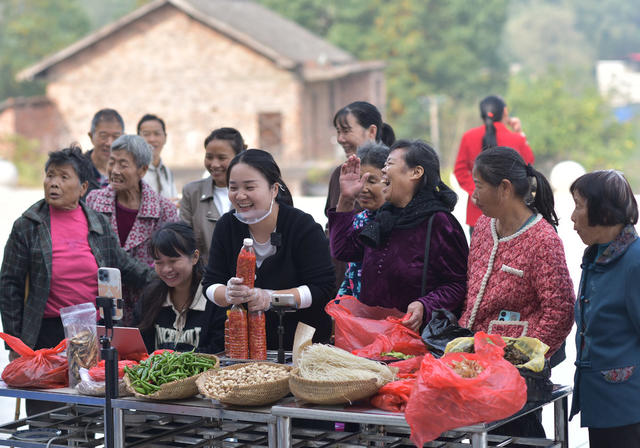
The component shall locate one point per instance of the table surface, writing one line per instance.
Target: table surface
(374, 416)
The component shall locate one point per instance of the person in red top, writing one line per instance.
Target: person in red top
(494, 132)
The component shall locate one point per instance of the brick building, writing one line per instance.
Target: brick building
(201, 64)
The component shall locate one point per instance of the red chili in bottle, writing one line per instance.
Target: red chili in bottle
(257, 335)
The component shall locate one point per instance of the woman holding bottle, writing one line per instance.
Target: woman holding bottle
(292, 252)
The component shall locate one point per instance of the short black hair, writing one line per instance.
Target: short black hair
(71, 156)
(106, 115)
(610, 200)
(151, 117)
(231, 135)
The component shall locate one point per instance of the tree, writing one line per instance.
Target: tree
(610, 25)
(540, 36)
(30, 30)
(565, 120)
(429, 46)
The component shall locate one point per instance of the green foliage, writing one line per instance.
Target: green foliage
(540, 36)
(612, 26)
(30, 30)
(568, 120)
(429, 46)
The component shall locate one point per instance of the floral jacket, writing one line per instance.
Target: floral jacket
(154, 211)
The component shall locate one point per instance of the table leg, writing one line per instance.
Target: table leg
(272, 433)
(284, 431)
(118, 428)
(561, 427)
(479, 440)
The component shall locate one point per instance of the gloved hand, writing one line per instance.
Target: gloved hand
(236, 293)
(259, 299)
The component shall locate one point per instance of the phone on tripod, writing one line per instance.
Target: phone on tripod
(110, 286)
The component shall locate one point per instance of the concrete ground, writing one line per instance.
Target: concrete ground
(14, 201)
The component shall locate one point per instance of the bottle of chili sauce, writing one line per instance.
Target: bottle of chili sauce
(246, 268)
(238, 343)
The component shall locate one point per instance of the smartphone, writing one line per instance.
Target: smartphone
(509, 316)
(109, 285)
(283, 300)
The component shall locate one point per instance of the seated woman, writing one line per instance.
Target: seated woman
(173, 313)
(414, 253)
(607, 389)
(372, 159)
(132, 207)
(52, 256)
(204, 201)
(291, 249)
(519, 284)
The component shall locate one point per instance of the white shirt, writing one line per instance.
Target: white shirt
(221, 199)
(160, 178)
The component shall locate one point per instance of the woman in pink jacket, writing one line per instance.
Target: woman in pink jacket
(518, 281)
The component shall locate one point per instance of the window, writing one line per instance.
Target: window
(270, 131)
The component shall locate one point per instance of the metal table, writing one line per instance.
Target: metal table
(199, 407)
(395, 428)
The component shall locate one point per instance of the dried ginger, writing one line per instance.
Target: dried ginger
(467, 368)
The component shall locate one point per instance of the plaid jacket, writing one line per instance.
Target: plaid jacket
(27, 257)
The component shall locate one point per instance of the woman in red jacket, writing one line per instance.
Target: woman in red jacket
(494, 132)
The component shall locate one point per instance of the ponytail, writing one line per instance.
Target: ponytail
(387, 136)
(489, 137)
(491, 110)
(542, 193)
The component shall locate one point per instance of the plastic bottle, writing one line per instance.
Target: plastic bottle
(246, 269)
(238, 324)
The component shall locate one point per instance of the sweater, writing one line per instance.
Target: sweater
(471, 146)
(302, 258)
(392, 273)
(524, 273)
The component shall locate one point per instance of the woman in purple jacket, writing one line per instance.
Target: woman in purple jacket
(414, 253)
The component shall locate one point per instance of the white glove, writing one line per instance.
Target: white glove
(259, 299)
(236, 293)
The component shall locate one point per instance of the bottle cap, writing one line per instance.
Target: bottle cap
(247, 242)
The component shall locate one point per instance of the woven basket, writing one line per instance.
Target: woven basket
(330, 392)
(175, 390)
(251, 395)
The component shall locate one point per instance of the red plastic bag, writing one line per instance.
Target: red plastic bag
(43, 368)
(357, 324)
(408, 368)
(452, 401)
(98, 373)
(394, 396)
(397, 339)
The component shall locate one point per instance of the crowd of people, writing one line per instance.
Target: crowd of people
(391, 241)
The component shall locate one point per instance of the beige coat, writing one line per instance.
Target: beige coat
(198, 209)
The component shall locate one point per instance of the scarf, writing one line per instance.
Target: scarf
(389, 217)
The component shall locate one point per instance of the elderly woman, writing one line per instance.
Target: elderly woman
(607, 388)
(52, 256)
(414, 253)
(133, 208)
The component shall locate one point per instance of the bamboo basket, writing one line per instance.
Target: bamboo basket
(175, 390)
(330, 392)
(249, 395)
